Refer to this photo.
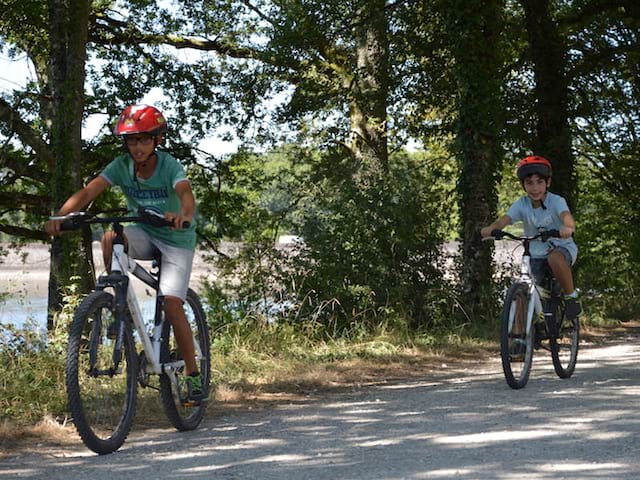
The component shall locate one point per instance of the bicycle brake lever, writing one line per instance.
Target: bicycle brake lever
(153, 218)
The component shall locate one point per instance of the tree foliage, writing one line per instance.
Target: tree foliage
(332, 90)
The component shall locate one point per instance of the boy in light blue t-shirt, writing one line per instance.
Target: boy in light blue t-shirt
(543, 210)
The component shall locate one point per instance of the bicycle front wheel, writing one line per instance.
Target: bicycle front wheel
(101, 389)
(181, 414)
(516, 344)
(564, 346)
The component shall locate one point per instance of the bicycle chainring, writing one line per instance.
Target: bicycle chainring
(143, 375)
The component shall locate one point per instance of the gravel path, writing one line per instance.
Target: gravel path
(465, 424)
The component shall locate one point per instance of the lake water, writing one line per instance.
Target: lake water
(33, 311)
(18, 311)
(24, 278)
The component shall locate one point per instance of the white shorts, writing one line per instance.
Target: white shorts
(176, 262)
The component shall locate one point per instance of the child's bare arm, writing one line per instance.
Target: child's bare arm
(77, 202)
(499, 224)
(187, 203)
(569, 226)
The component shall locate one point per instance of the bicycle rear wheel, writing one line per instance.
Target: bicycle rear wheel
(516, 344)
(564, 346)
(182, 415)
(102, 398)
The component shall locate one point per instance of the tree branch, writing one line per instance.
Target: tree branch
(24, 232)
(28, 135)
(24, 168)
(25, 201)
(114, 32)
(595, 8)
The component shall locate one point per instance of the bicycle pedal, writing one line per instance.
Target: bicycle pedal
(112, 330)
(190, 403)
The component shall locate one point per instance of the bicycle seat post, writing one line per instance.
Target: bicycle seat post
(118, 245)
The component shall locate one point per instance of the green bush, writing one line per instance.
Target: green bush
(608, 238)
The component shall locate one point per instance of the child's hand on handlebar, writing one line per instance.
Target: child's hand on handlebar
(566, 232)
(179, 221)
(53, 227)
(485, 232)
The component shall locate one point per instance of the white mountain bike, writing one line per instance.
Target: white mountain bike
(533, 317)
(104, 368)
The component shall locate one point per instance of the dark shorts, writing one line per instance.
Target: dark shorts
(540, 268)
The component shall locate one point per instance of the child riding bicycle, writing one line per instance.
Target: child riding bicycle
(540, 210)
(153, 179)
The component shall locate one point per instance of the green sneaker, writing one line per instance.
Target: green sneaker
(195, 389)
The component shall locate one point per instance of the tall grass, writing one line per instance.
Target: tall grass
(31, 375)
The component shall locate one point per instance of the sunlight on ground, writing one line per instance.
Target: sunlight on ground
(288, 458)
(493, 437)
(446, 473)
(580, 467)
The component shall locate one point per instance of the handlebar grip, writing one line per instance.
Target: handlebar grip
(68, 224)
(550, 234)
(497, 234)
(72, 221)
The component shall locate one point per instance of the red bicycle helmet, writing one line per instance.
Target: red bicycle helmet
(140, 119)
(533, 164)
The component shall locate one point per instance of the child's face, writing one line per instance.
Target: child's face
(536, 187)
(140, 146)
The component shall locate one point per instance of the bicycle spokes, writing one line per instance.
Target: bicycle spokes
(101, 394)
(516, 343)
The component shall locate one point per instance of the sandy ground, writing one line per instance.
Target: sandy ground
(27, 271)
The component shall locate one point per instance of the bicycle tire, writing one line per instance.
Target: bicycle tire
(516, 349)
(184, 417)
(564, 346)
(102, 400)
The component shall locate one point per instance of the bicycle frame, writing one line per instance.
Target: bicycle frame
(104, 365)
(535, 307)
(122, 266)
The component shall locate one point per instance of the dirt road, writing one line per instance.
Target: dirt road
(465, 424)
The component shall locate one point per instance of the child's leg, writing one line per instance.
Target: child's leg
(561, 270)
(175, 314)
(107, 248)
(174, 281)
(561, 267)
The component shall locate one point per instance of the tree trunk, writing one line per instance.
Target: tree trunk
(71, 253)
(475, 28)
(368, 102)
(553, 139)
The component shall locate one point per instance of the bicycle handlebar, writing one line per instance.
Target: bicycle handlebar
(544, 235)
(76, 220)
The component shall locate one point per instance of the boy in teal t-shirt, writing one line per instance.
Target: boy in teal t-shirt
(156, 192)
(152, 179)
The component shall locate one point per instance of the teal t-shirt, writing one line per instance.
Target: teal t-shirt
(536, 219)
(157, 192)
